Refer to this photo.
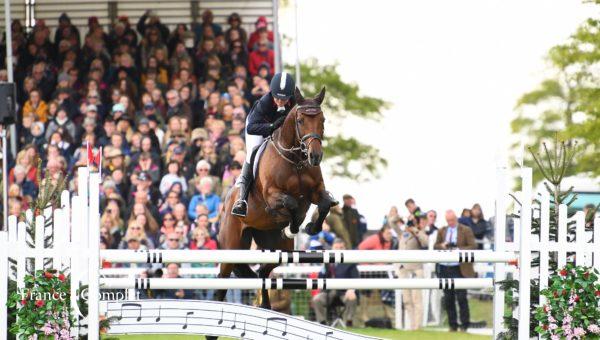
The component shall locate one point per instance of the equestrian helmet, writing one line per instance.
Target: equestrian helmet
(282, 85)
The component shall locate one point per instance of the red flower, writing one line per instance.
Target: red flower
(563, 272)
(597, 293)
(564, 292)
(586, 275)
(546, 308)
(545, 327)
(23, 302)
(61, 277)
(555, 294)
(39, 303)
(576, 298)
(48, 275)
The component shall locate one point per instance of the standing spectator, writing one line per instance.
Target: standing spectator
(478, 224)
(431, 218)
(413, 210)
(451, 237)
(172, 272)
(349, 298)
(351, 220)
(380, 241)
(413, 238)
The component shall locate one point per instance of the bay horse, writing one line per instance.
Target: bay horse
(288, 181)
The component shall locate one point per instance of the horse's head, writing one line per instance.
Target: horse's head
(310, 126)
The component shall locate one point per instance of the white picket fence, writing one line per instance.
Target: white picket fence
(74, 235)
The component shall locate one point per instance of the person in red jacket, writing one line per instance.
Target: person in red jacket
(261, 25)
(380, 241)
(260, 56)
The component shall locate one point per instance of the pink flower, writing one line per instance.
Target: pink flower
(578, 331)
(567, 319)
(552, 326)
(594, 329)
(551, 319)
(47, 329)
(555, 337)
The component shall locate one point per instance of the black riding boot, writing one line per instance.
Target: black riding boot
(240, 207)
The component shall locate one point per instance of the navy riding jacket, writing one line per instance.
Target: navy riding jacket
(264, 113)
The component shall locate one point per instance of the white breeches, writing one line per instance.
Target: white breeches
(252, 141)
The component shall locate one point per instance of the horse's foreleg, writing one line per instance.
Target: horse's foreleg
(324, 203)
(279, 201)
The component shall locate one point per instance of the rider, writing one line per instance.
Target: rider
(267, 114)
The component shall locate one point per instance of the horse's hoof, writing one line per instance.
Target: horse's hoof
(311, 229)
(286, 233)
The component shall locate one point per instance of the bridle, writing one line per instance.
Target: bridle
(303, 141)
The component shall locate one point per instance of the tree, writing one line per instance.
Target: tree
(347, 156)
(568, 102)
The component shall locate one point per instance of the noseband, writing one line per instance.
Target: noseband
(304, 141)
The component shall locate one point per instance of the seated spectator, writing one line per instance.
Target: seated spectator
(173, 175)
(380, 241)
(36, 107)
(27, 186)
(167, 227)
(329, 298)
(173, 242)
(61, 121)
(137, 231)
(259, 56)
(261, 26)
(201, 240)
(206, 197)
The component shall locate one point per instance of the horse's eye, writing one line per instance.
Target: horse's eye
(301, 121)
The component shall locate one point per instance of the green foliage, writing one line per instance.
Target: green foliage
(42, 307)
(572, 91)
(572, 306)
(347, 156)
(348, 151)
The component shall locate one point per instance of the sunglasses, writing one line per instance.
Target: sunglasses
(92, 97)
(173, 239)
(169, 219)
(136, 228)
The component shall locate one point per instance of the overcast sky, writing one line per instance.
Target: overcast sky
(452, 71)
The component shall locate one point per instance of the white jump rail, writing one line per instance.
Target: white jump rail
(339, 256)
(310, 284)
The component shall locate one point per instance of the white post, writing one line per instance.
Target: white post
(525, 255)
(398, 308)
(94, 256)
(276, 40)
(39, 242)
(544, 243)
(298, 75)
(562, 236)
(580, 241)
(21, 259)
(3, 283)
(499, 240)
(597, 242)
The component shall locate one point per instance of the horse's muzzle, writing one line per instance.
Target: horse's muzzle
(314, 159)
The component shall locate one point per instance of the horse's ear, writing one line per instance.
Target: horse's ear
(319, 98)
(298, 95)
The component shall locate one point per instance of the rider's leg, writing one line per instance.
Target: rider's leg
(240, 207)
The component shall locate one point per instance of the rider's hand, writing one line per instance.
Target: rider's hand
(278, 123)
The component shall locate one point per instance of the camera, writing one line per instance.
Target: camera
(451, 245)
(155, 273)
